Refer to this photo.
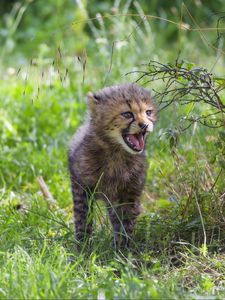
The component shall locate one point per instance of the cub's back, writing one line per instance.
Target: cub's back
(78, 139)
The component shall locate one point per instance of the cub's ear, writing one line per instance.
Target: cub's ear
(93, 100)
(93, 97)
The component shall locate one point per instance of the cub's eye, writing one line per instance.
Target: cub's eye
(149, 112)
(127, 115)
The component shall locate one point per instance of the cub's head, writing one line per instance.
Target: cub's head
(124, 113)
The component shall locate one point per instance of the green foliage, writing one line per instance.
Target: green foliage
(178, 250)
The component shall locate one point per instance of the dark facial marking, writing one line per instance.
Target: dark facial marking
(128, 103)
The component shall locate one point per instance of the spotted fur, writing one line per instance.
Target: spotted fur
(100, 160)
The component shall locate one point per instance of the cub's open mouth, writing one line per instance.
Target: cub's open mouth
(135, 141)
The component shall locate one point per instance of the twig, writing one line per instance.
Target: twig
(204, 252)
(184, 84)
(45, 191)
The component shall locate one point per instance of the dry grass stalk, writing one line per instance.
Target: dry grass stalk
(45, 191)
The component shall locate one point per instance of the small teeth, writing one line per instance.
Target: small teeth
(128, 139)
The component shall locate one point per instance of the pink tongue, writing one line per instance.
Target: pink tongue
(137, 140)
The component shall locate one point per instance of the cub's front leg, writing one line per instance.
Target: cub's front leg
(123, 218)
(82, 211)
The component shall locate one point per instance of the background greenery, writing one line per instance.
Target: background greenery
(52, 53)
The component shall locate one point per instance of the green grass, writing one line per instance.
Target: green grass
(183, 200)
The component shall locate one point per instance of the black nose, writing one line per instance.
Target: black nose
(143, 125)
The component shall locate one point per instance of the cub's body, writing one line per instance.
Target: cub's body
(107, 156)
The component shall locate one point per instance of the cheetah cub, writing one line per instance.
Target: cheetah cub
(107, 156)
